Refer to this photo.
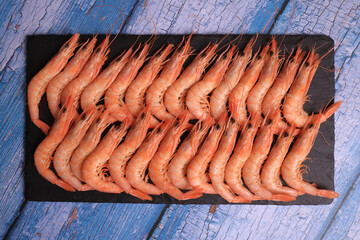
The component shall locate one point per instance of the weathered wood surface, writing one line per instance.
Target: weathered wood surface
(127, 221)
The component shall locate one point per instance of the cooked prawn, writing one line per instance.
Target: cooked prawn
(114, 95)
(124, 152)
(266, 79)
(71, 71)
(270, 173)
(291, 170)
(96, 89)
(196, 98)
(40, 81)
(89, 72)
(159, 163)
(220, 95)
(170, 72)
(43, 153)
(174, 98)
(135, 94)
(218, 163)
(95, 165)
(241, 153)
(135, 170)
(240, 92)
(196, 172)
(259, 152)
(186, 152)
(64, 151)
(89, 141)
(276, 93)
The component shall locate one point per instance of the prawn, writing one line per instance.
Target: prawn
(114, 95)
(220, 95)
(159, 163)
(90, 141)
(43, 153)
(135, 169)
(196, 98)
(123, 153)
(170, 72)
(135, 94)
(294, 100)
(241, 153)
(40, 81)
(240, 92)
(64, 151)
(95, 165)
(196, 172)
(71, 71)
(266, 79)
(291, 170)
(96, 89)
(276, 93)
(89, 72)
(174, 98)
(270, 173)
(218, 163)
(186, 152)
(259, 152)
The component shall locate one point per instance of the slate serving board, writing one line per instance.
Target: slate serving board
(40, 49)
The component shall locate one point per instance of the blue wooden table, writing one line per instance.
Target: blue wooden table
(44, 220)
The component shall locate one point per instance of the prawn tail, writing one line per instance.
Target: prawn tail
(86, 187)
(327, 194)
(43, 126)
(331, 110)
(192, 194)
(64, 185)
(140, 195)
(282, 198)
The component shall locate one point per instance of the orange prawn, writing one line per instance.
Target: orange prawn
(270, 173)
(71, 71)
(170, 72)
(196, 172)
(123, 153)
(40, 81)
(174, 98)
(241, 153)
(43, 153)
(186, 152)
(89, 72)
(159, 163)
(135, 170)
(89, 141)
(240, 92)
(135, 94)
(220, 95)
(218, 163)
(114, 95)
(291, 168)
(96, 89)
(95, 165)
(64, 151)
(196, 98)
(259, 152)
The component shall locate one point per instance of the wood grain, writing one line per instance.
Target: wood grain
(127, 221)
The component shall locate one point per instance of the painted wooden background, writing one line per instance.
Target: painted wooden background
(21, 219)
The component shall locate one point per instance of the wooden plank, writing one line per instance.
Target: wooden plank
(346, 223)
(46, 220)
(42, 17)
(295, 222)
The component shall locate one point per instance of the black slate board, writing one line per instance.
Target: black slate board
(41, 48)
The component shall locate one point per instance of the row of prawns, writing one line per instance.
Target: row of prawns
(154, 99)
